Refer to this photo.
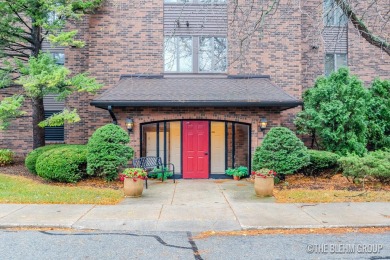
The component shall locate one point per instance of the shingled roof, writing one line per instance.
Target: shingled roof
(157, 91)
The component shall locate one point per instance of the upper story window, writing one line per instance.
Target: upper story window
(333, 15)
(195, 1)
(334, 61)
(195, 54)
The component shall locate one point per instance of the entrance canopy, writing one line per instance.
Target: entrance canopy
(193, 91)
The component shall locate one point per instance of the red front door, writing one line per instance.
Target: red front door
(195, 149)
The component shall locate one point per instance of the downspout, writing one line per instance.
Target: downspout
(114, 121)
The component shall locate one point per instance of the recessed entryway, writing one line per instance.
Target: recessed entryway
(199, 149)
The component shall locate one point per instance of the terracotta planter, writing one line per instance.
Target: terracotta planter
(237, 178)
(133, 187)
(264, 186)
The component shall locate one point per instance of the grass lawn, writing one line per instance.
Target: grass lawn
(16, 189)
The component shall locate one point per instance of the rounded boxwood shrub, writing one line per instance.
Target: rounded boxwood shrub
(108, 151)
(64, 164)
(281, 151)
(321, 162)
(32, 157)
(6, 157)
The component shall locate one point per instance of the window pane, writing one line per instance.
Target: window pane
(170, 59)
(176, 1)
(217, 147)
(339, 18)
(185, 54)
(59, 57)
(242, 145)
(212, 54)
(178, 54)
(174, 144)
(212, 1)
(333, 15)
(328, 12)
(341, 61)
(149, 140)
(329, 64)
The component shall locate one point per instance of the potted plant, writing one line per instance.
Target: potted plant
(238, 172)
(133, 178)
(264, 182)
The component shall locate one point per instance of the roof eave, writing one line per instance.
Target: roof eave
(281, 104)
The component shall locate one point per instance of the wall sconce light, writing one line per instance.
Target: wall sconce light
(188, 24)
(263, 123)
(129, 124)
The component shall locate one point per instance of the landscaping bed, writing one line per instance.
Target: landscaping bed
(298, 188)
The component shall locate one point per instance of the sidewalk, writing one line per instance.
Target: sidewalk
(196, 205)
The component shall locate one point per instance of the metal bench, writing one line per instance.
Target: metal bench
(151, 162)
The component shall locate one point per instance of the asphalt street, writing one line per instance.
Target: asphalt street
(181, 245)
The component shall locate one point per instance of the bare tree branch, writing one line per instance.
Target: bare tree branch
(362, 28)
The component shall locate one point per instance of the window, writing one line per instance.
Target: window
(334, 61)
(196, 1)
(59, 57)
(53, 133)
(333, 15)
(210, 54)
(178, 54)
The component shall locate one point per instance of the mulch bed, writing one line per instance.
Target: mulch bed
(335, 182)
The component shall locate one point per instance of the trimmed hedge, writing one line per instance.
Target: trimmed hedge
(32, 157)
(281, 151)
(375, 164)
(108, 151)
(6, 157)
(320, 162)
(64, 164)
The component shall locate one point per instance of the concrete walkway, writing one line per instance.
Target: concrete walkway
(196, 205)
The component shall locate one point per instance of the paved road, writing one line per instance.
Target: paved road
(180, 245)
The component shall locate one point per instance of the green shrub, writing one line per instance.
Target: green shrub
(335, 113)
(375, 164)
(281, 151)
(157, 173)
(64, 164)
(239, 171)
(6, 157)
(108, 151)
(320, 162)
(32, 157)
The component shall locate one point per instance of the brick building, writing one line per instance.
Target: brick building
(197, 77)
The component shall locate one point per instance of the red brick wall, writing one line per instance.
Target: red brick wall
(18, 137)
(243, 115)
(126, 37)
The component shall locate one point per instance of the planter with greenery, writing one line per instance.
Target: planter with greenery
(238, 172)
(160, 173)
(264, 182)
(133, 181)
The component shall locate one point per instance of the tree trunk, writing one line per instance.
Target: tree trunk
(38, 115)
(38, 110)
